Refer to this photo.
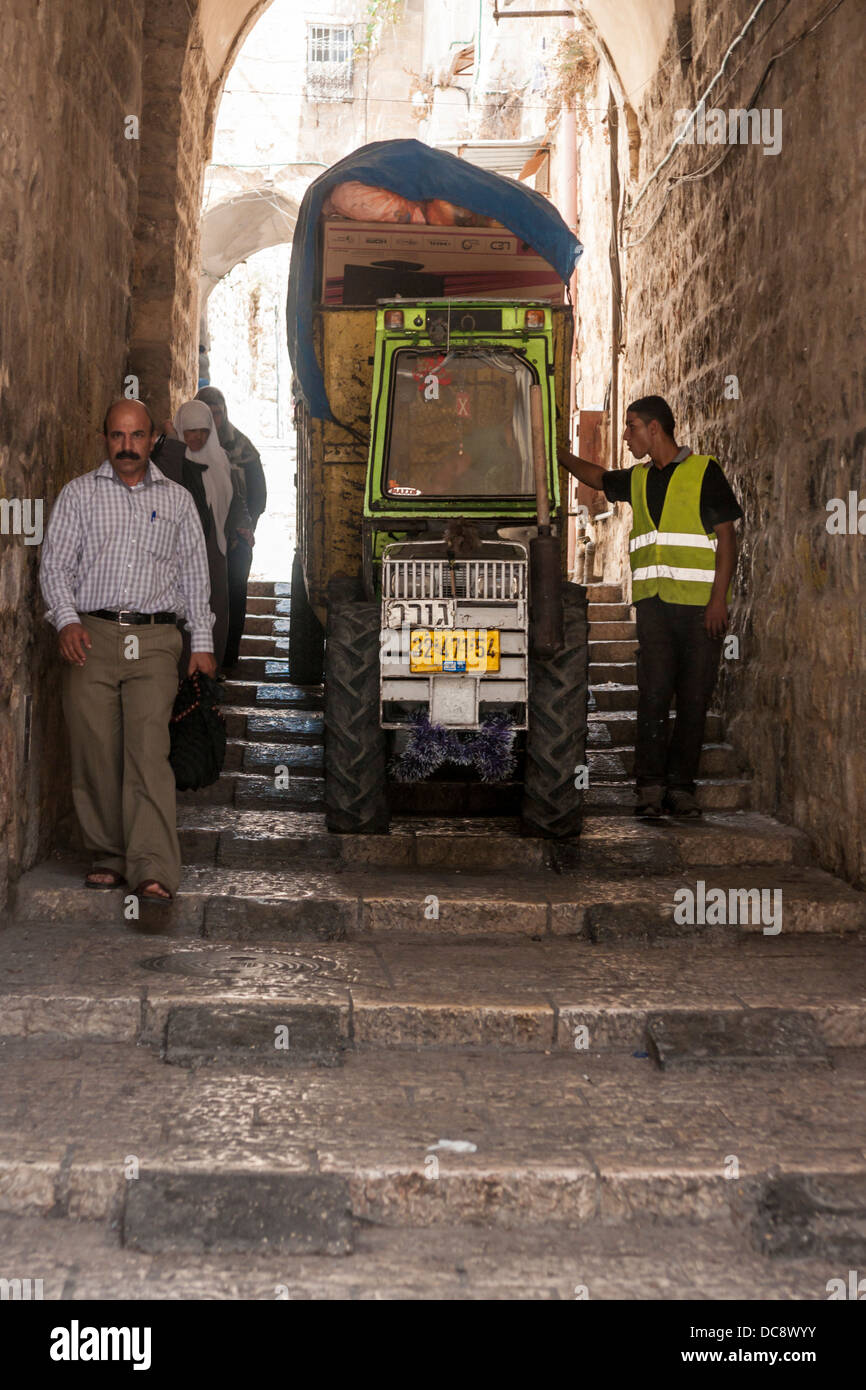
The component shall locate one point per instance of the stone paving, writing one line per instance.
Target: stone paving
(448, 1063)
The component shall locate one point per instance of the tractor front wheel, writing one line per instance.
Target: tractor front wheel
(556, 737)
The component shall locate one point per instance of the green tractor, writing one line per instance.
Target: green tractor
(429, 579)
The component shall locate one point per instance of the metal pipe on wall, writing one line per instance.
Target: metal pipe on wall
(615, 277)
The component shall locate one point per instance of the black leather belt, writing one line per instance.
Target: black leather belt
(127, 616)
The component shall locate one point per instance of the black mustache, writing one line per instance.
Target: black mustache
(124, 454)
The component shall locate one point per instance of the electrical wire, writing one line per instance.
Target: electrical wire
(707, 169)
(706, 92)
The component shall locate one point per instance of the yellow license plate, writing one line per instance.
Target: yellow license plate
(461, 650)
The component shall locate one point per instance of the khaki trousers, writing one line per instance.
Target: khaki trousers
(117, 707)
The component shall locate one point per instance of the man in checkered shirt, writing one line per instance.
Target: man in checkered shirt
(124, 559)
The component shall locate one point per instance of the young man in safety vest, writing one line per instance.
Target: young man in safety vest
(683, 554)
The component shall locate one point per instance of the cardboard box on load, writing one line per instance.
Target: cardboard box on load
(366, 261)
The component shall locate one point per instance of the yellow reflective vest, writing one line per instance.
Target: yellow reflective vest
(677, 560)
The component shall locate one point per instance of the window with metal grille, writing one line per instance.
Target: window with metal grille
(330, 62)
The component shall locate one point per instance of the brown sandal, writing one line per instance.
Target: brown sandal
(146, 897)
(115, 882)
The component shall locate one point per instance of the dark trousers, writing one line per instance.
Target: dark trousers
(240, 558)
(675, 656)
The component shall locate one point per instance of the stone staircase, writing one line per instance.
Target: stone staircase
(449, 1062)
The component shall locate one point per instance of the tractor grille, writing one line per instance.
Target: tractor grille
(473, 579)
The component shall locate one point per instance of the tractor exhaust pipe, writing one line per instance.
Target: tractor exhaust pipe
(546, 636)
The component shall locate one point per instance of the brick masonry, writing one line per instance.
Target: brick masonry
(71, 74)
(756, 271)
(98, 279)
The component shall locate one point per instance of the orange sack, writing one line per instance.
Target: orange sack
(364, 202)
(442, 214)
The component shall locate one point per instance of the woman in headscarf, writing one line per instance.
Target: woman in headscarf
(249, 477)
(190, 454)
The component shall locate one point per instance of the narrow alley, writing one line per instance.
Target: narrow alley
(423, 1044)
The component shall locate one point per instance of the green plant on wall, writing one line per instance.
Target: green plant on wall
(379, 13)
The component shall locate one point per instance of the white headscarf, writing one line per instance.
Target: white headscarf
(217, 477)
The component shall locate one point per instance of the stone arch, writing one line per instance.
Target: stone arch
(237, 228)
(186, 61)
(187, 55)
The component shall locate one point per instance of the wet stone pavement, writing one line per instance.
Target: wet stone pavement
(448, 1063)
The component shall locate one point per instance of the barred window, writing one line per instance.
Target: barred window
(329, 44)
(330, 62)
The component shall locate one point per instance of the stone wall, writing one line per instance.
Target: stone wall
(175, 143)
(756, 271)
(69, 75)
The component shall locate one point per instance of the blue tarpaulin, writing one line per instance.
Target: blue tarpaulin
(416, 171)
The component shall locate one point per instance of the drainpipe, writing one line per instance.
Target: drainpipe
(568, 190)
(615, 277)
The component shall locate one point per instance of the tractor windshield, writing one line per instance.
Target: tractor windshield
(459, 425)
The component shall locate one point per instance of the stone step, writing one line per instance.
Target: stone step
(272, 839)
(243, 1159)
(306, 790)
(605, 651)
(260, 605)
(273, 726)
(261, 668)
(274, 695)
(611, 844)
(443, 1262)
(615, 697)
(263, 759)
(328, 903)
(726, 1005)
(258, 635)
(611, 631)
(607, 728)
(614, 728)
(268, 588)
(713, 794)
(612, 765)
(604, 593)
(609, 612)
(612, 672)
(609, 786)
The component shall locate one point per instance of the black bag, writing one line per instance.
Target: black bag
(198, 733)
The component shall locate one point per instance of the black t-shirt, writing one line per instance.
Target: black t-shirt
(718, 502)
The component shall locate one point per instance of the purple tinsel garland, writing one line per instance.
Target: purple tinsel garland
(489, 750)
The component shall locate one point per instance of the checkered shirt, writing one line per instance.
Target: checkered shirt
(108, 545)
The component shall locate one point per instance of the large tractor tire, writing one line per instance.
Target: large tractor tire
(306, 634)
(556, 737)
(356, 788)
